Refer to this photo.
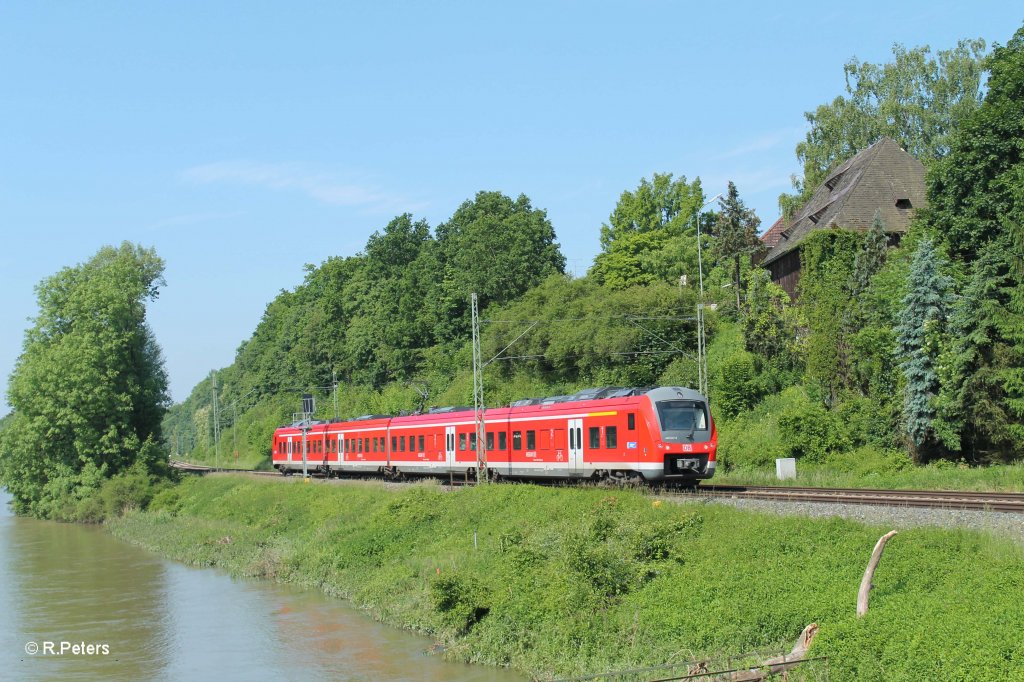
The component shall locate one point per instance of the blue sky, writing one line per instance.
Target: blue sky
(245, 139)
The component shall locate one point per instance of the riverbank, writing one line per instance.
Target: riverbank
(565, 581)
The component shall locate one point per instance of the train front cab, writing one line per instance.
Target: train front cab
(684, 433)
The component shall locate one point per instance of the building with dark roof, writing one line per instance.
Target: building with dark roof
(882, 178)
(772, 236)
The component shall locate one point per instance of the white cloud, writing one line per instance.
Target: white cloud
(764, 142)
(322, 186)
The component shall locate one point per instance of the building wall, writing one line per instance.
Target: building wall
(786, 272)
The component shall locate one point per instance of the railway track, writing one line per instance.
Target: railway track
(939, 499)
(190, 468)
(936, 499)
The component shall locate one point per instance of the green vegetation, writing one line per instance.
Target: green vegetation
(88, 391)
(564, 581)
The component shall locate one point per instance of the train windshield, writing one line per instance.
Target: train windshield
(682, 415)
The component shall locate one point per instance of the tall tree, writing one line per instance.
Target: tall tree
(89, 389)
(982, 396)
(769, 324)
(976, 197)
(917, 100)
(495, 246)
(926, 308)
(649, 236)
(975, 192)
(871, 257)
(736, 232)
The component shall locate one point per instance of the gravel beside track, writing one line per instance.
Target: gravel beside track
(1000, 523)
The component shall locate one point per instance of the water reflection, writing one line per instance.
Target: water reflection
(167, 621)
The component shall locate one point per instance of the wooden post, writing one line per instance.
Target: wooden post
(865, 583)
(779, 664)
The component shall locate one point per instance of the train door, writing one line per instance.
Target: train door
(576, 446)
(449, 445)
(290, 448)
(341, 447)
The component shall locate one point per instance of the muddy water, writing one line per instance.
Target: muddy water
(99, 609)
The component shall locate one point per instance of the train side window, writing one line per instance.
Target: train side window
(421, 448)
(611, 437)
(517, 440)
(462, 441)
(531, 440)
(631, 421)
(472, 441)
(366, 445)
(394, 443)
(502, 440)
(490, 440)
(595, 437)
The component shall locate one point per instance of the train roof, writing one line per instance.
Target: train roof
(674, 393)
(602, 393)
(587, 394)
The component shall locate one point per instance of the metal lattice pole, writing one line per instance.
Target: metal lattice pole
(702, 356)
(216, 420)
(478, 397)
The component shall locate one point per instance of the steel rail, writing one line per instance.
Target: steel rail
(935, 499)
(941, 499)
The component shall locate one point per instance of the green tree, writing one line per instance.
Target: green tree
(649, 236)
(495, 246)
(737, 390)
(769, 321)
(982, 389)
(976, 211)
(917, 100)
(871, 256)
(974, 193)
(736, 233)
(89, 389)
(926, 309)
(826, 259)
(392, 325)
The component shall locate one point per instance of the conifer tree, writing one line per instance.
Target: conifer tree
(736, 229)
(871, 257)
(925, 309)
(980, 369)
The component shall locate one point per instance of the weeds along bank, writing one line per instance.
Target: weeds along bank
(563, 581)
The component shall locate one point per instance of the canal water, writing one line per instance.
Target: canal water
(66, 587)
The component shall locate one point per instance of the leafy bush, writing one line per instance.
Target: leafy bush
(737, 390)
(811, 432)
(869, 461)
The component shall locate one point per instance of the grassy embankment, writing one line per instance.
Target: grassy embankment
(561, 581)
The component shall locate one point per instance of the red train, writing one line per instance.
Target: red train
(654, 434)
